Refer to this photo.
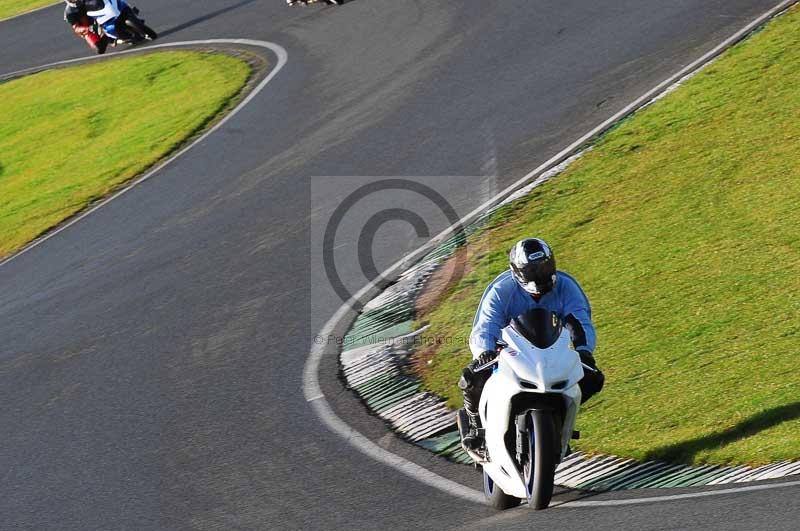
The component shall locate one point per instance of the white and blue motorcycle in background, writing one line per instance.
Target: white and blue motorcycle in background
(120, 22)
(528, 410)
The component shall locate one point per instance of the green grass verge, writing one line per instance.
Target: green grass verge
(683, 226)
(66, 139)
(10, 8)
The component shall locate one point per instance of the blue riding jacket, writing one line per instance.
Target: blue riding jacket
(505, 299)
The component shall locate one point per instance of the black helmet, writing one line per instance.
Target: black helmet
(533, 266)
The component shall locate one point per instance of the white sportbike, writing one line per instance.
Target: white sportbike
(528, 410)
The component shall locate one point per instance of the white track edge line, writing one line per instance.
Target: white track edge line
(311, 386)
(278, 50)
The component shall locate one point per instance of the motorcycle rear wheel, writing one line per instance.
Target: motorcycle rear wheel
(495, 495)
(540, 468)
(140, 29)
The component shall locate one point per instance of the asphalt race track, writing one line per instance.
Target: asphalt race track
(151, 355)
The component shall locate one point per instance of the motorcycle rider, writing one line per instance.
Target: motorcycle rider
(532, 281)
(75, 14)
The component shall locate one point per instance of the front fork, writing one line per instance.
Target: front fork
(522, 422)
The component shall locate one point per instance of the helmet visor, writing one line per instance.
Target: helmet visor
(538, 288)
(536, 278)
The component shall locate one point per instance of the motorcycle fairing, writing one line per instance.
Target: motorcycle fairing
(550, 369)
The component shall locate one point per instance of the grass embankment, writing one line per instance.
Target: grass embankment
(683, 227)
(10, 8)
(66, 138)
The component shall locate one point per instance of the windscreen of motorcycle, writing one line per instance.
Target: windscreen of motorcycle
(539, 326)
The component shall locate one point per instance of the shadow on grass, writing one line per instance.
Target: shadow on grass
(686, 450)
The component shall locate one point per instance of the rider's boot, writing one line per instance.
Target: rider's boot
(102, 44)
(472, 385)
(474, 437)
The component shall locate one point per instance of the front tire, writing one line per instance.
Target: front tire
(495, 495)
(540, 468)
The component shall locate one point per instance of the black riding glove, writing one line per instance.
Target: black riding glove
(588, 359)
(486, 356)
(593, 378)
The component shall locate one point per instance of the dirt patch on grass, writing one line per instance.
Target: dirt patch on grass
(441, 282)
(421, 361)
(436, 289)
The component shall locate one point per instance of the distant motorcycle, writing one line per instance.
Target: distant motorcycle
(120, 23)
(528, 410)
(307, 2)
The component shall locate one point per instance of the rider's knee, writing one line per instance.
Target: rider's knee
(80, 29)
(467, 380)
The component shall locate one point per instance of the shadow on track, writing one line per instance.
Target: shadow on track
(203, 18)
(565, 496)
(685, 451)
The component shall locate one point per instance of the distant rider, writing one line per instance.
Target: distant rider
(75, 13)
(532, 281)
(306, 2)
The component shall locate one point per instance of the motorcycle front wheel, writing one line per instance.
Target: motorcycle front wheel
(495, 495)
(540, 466)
